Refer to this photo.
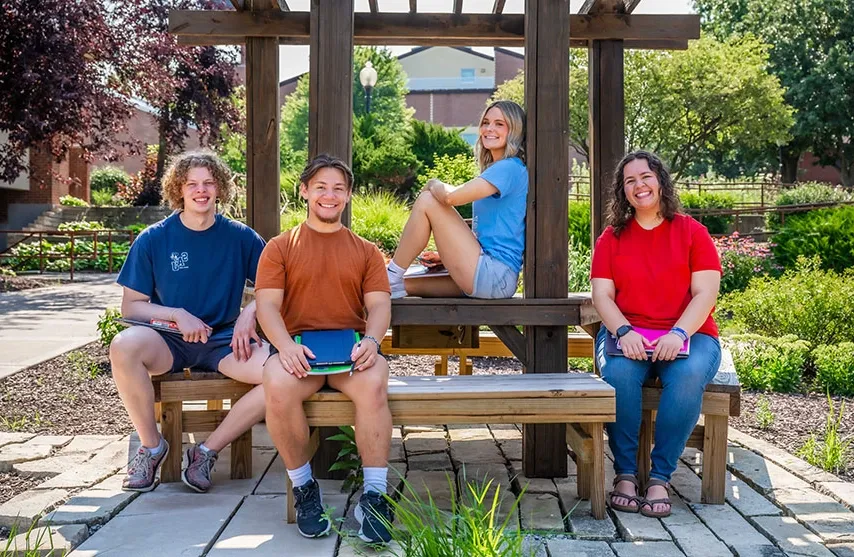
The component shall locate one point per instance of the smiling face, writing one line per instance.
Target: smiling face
(199, 191)
(327, 195)
(493, 131)
(641, 186)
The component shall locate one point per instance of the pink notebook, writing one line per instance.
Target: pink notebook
(613, 347)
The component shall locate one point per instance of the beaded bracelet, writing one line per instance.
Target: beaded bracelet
(368, 337)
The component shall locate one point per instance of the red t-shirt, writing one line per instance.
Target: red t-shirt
(651, 269)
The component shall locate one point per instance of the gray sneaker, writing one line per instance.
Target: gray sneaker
(142, 469)
(197, 474)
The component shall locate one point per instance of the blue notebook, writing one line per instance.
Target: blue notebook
(331, 348)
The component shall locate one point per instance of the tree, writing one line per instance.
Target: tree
(711, 106)
(185, 85)
(56, 80)
(381, 155)
(812, 46)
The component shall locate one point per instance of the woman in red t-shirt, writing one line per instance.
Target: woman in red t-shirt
(654, 269)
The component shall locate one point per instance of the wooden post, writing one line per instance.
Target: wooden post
(241, 451)
(713, 486)
(607, 134)
(171, 427)
(330, 128)
(547, 103)
(645, 441)
(330, 100)
(262, 135)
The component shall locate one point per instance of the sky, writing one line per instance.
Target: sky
(293, 60)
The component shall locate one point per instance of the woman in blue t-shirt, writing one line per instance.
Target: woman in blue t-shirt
(484, 261)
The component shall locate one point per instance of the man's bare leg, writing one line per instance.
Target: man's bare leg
(249, 410)
(286, 421)
(136, 354)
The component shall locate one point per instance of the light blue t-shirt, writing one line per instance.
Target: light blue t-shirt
(499, 220)
(202, 272)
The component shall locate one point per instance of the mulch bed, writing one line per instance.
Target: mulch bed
(58, 397)
(15, 284)
(796, 417)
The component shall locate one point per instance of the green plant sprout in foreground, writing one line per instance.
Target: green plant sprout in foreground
(831, 454)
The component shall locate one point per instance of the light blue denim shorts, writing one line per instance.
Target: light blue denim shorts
(493, 279)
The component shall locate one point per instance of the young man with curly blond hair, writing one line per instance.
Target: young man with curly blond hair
(189, 268)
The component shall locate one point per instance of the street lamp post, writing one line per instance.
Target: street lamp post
(368, 78)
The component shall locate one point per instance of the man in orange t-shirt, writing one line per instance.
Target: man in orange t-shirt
(316, 276)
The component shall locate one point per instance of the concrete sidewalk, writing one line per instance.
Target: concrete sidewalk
(38, 324)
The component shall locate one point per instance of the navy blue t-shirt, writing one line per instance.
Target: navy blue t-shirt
(201, 272)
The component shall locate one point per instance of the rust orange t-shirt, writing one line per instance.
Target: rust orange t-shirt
(324, 275)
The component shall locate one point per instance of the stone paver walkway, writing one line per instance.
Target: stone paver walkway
(776, 505)
(41, 323)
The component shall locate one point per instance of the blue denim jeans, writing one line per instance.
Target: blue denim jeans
(683, 382)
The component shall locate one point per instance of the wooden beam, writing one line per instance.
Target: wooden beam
(262, 135)
(606, 106)
(630, 5)
(373, 5)
(238, 4)
(547, 101)
(330, 127)
(413, 6)
(413, 29)
(458, 7)
(498, 6)
(512, 339)
(220, 40)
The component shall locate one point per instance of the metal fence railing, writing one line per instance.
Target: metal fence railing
(78, 249)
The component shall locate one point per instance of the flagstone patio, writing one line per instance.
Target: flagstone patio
(776, 504)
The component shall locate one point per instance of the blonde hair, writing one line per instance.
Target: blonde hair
(514, 115)
(180, 165)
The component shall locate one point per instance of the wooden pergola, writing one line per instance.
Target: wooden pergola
(546, 30)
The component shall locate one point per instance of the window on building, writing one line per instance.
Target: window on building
(467, 75)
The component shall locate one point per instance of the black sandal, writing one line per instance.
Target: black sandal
(631, 478)
(652, 502)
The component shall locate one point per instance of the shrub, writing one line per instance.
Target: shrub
(827, 233)
(78, 225)
(379, 217)
(764, 414)
(106, 198)
(107, 179)
(808, 302)
(136, 227)
(834, 368)
(71, 201)
(579, 269)
(429, 141)
(579, 218)
(769, 364)
(804, 194)
(717, 224)
(454, 170)
(25, 257)
(109, 326)
(742, 259)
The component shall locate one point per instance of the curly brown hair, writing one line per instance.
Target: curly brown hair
(620, 211)
(180, 165)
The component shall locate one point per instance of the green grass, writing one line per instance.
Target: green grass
(38, 542)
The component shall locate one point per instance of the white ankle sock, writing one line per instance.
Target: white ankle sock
(376, 479)
(156, 450)
(301, 475)
(205, 449)
(395, 271)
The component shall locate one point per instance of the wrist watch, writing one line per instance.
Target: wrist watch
(623, 331)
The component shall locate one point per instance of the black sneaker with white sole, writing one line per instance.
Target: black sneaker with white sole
(311, 521)
(374, 516)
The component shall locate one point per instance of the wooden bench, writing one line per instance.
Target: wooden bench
(172, 390)
(721, 400)
(578, 345)
(582, 401)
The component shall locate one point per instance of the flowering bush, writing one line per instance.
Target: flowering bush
(742, 259)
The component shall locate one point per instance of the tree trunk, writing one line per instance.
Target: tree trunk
(789, 159)
(162, 147)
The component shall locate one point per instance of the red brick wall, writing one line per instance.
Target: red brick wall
(808, 171)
